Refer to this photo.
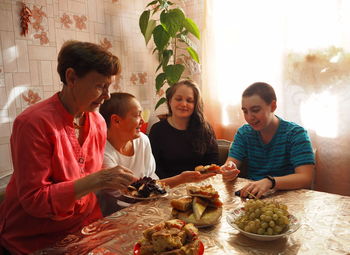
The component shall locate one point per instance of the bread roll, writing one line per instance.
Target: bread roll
(211, 216)
(182, 204)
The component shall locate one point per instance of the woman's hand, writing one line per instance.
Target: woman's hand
(257, 188)
(195, 176)
(229, 171)
(117, 178)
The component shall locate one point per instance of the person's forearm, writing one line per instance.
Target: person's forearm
(87, 184)
(173, 181)
(293, 181)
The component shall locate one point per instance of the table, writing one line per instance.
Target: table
(325, 228)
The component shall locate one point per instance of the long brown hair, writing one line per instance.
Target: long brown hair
(199, 130)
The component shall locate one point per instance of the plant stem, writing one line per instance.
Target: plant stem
(175, 51)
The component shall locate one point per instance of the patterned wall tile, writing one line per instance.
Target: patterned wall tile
(46, 74)
(22, 57)
(9, 53)
(5, 19)
(28, 64)
(41, 53)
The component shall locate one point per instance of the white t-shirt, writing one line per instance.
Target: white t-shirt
(142, 163)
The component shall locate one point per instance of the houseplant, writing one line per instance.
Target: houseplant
(167, 24)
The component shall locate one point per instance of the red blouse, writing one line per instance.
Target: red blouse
(40, 206)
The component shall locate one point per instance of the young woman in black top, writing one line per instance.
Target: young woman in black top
(184, 139)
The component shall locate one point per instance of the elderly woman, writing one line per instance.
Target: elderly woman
(129, 147)
(184, 139)
(57, 152)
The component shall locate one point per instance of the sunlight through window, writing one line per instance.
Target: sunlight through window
(319, 113)
(15, 92)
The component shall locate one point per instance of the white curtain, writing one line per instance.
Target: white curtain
(301, 48)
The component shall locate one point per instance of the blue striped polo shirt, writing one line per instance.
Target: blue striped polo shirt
(289, 148)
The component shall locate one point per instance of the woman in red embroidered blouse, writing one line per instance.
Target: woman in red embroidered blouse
(57, 150)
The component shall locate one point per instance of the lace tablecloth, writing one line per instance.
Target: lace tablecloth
(324, 217)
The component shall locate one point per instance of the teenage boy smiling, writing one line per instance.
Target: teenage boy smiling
(278, 152)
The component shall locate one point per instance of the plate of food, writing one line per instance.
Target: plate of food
(170, 237)
(263, 220)
(201, 206)
(146, 188)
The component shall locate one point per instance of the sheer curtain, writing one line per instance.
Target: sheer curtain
(302, 49)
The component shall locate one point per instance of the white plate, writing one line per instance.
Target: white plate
(146, 198)
(293, 226)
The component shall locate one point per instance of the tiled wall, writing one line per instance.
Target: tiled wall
(28, 63)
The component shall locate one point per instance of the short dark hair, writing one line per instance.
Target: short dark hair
(262, 89)
(84, 57)
(117, 104)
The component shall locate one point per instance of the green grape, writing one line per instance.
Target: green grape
(261, 231)
(263, 217)
(264, 225)
(252, 216)
(268, 218)
(269, 231)
(269, 213)
(275, 216)
(277, 229)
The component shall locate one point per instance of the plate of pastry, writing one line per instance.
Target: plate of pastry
(201, 206)
(146, 188)
(170, 237)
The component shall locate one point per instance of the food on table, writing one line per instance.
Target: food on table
(208, 169)
(264, 217)
(202, 206)
(172, 237)
(146, 187)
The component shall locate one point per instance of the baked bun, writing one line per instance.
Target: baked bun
(172, 237)
(206, 191)
(213, 168)
(210, 217)
(202, 207)
(182, 204)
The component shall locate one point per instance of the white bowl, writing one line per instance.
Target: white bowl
(232, 216)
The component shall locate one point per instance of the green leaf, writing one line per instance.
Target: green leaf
(193, 54)
(150, 27)
(160, 81)
(161, 37)
(166, 56)
(173, 73)
(172, 21)
(191, 26)
(160, 102)
(143, 21)
(188, 41)
(152, 3)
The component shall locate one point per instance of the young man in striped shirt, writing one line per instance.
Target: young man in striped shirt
(278, 152)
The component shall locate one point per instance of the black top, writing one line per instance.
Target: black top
(173, 151)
